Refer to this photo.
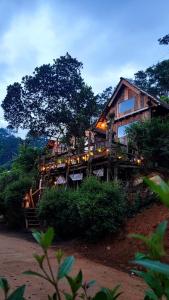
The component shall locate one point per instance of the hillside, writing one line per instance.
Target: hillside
(9, 145)
(117, 251)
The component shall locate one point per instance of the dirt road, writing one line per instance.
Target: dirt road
(16, 257)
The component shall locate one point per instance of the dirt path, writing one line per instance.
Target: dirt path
(16, 257)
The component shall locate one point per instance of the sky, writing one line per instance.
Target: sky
(112, 38)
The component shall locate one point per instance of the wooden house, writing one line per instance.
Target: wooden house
(127, 105)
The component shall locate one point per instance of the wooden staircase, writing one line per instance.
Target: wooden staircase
(31, 218)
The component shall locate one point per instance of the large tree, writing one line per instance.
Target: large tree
(155, 79)
(54, 100)
(151, 140)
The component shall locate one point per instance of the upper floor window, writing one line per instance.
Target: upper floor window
(126, 105)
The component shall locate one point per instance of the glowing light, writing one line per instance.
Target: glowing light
(91, 153)
(103, 125)
(99, 150)
(139, 161)
(119, 157)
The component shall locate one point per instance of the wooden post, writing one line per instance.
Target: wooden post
(109, 136)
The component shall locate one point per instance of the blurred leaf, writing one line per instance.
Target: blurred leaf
(65, 267)
(47, 238)
(39, 259)
(37, 236)
(17, 294)
(155, 266)
(34, 274)
(59, 254)
(161, 189)
(76, 282)
(4, 285)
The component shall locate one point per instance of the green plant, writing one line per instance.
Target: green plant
(157, 273)
(13, 197)
(94, 210)
(78, 288)
(59, 209)
(18, 294)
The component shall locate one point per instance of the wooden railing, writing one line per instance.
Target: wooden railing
(31, 199)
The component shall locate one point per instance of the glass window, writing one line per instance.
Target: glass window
(126, 105)
(122, 129)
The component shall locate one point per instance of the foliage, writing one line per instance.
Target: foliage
(155, 79)
(164, 40)
(9, 146)
(94, 210)
(151, 140)
(27, 159)
(13, 197)
(54, 100)
(18, 294)
(59, 209)
(78, 288)
(156, 274)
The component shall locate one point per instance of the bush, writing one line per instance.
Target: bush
(93, 211)
(59, 209)
(102, 207)
(13, 197)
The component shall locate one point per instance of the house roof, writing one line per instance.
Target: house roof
(131, 85)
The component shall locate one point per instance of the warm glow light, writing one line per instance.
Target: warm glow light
(139, 161)
(103, 125)
(91, 153)
(99, 150)
(119, 157)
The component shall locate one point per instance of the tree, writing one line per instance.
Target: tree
(164, 40)
(54, 100)
(104, 97)
(151, 140)
(155, 79)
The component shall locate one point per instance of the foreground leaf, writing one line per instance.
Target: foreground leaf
(17, 294)
(65, 267)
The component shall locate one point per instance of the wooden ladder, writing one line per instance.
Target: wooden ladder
(31, 218)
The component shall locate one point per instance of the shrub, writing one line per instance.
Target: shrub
(102, 207)
(59, 209)
(13, 197)
(93, 211)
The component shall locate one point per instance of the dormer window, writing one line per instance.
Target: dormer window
(126, 105)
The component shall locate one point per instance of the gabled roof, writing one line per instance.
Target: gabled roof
(136, 89)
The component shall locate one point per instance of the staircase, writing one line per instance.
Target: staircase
(31, 218)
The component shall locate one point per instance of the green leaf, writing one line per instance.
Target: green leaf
(150, 295)
(44, 239)
(34, 274)
(59, 255)
(90, 283)
(39, 259)
(155, 266)
(37, 236)
(65, 267)
(76, 282)
(112, 294)
(17, 294)
(68, 296)
(161, 189)
(47, 238)
(100, 296)
(4, 285)
(140, 255)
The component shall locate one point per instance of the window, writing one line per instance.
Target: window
(126, 105)
(122, 129)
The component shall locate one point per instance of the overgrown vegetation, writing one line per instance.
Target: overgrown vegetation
(155, 273)
(15, 182)
(151, 140)
(93, 211)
